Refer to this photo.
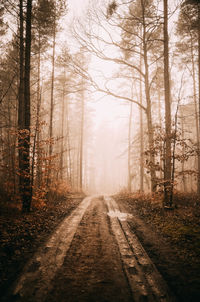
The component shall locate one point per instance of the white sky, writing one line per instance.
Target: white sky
(77, 6)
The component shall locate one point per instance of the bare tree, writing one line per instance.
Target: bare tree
(135, 23)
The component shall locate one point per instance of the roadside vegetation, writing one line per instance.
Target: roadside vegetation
(22, 233)
(171, 237)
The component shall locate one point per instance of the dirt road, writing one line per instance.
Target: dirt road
(92, 256)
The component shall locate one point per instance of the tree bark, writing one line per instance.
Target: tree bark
(21, 97)
(195, 109)
(21, 69)
(198, 178)
(36, 133)
(62, 130)
(52, 103)
(81, 141)
(129, 148)
(69, 159)
(167, 170)
(160, 125)
(183, 162)
(141, 135)
(148, 111)
(26, 194)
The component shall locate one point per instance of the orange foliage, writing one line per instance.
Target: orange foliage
(60, 188)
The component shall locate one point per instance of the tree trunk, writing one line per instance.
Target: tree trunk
(21, 97)
(148, 101)
(141, 135)
(196, 110)
(21, 71)
(36, 134)
(39, 177)
(62, 131)
(183, 161)
(160, 125)
(167, 171)
(173, 154)
(198, 179)
(27, 192)
(52, 103)
(129, 147)
(10, 148)
(69, 160)
(81, 141)
(78, 166)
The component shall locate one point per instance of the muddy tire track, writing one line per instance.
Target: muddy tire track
(92, 270)
(92, 257)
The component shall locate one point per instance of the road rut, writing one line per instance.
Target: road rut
(92, 256)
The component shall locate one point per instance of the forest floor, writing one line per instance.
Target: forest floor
(90, 257)
(171, 238)
(22, 234)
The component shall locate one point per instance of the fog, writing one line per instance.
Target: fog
(113, 100)
(113, 158)
(110, 153)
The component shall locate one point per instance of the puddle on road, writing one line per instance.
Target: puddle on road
(120, 215)
(113, 210)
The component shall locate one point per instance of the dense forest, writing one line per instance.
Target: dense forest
(143, 53)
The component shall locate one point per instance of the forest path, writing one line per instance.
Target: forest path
(92, 256)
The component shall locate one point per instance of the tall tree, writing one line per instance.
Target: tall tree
(141, 41)
(52, 89)
(21, 115)
(129, 147)
(82, 138)
(141, 136)
(43, 22)
(167, 169)
(82, 61)
(26, 188)
(59, 8)
(189, 22)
